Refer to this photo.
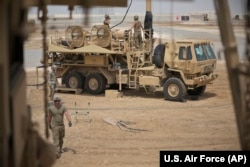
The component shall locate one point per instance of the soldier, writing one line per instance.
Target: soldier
(137, 26)
(106, 20)
(52, 81)
(56, 114)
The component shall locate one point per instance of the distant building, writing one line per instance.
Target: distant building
(202, 16)
(239, 17)
(211, 16)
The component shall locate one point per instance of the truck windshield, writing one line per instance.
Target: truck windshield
(200, 53)
(204, 52)
(209, 51)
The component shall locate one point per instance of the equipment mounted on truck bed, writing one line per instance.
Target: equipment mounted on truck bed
(94, 60)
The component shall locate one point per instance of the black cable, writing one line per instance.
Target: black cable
(124, 15)
(124, 125)
(36, 84)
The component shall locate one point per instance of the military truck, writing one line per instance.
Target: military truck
(100, 58)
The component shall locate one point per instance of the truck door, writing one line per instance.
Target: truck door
(184, 58)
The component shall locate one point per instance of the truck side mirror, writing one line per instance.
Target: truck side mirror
(220, 55)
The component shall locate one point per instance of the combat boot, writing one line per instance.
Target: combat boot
(61, 150)
(58, 155)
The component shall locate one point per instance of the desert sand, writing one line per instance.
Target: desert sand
(153, 124)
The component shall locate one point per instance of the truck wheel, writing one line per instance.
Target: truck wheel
(197, 91)
(158, 56)
(74, 80)
(95, 83)
(174, 89)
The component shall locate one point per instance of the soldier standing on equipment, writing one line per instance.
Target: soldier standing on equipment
(56, 114)
(106, 20)
(137, 25)
(52, 81)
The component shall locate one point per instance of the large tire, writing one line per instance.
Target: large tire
(174, 89)
(64, 78)
(158, 56)
(74, 80)
(197, 91)
(95, 83)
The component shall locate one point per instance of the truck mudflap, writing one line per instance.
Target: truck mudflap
(204, 79)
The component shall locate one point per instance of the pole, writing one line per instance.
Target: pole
(233, 64)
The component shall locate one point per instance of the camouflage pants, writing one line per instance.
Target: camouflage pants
(52, 88)
(138, 39)
(58, 134)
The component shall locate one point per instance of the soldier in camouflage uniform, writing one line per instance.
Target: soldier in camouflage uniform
(56, 114)
(52, 81)
(137, 26)
(106, 20)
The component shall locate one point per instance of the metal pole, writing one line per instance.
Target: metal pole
(233, 64)
(36, 78)
(120, 80)
(43, 18)
(148, 5)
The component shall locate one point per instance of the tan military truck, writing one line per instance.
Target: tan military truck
(187, 67)
(98, 59)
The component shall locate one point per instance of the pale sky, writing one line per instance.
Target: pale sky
(158, 7)
(186, 6)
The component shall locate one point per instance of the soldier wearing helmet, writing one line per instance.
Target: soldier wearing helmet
(52, 81)
(137, 26)
(106, 20)
(56, 114)
(136, 17)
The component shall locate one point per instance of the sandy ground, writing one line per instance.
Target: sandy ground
(153, 124)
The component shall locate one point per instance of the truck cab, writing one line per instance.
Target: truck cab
(189, 66)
